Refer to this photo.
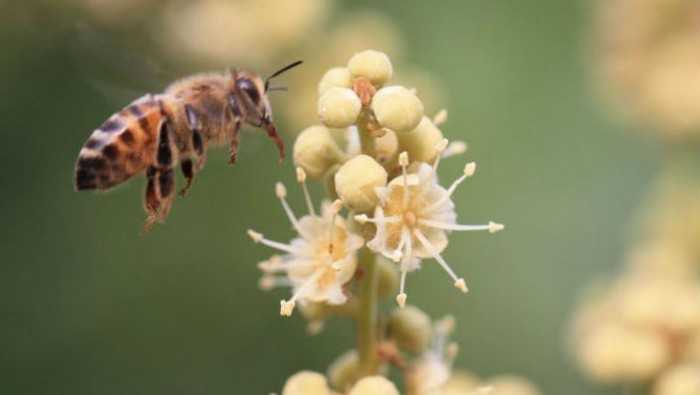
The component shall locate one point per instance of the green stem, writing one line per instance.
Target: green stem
(366, 138)
(367, 317)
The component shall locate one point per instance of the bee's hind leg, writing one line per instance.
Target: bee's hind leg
(187, 168)
(151, 200)
(160, 188)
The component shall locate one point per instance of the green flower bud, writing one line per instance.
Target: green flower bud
(356, 180)
(411, 328)
(339, 107)
(423, 142)
(374, 385)
(343, 371)
(371, 64)
(397, 108)
(316, 151)
(306, 383)
(388, 277)
(337, 77)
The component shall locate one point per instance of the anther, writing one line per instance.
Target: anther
(495, 227)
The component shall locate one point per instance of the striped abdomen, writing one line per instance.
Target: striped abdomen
(122, 147)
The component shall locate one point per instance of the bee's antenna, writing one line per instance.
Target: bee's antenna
(280, 71)
(277, 88)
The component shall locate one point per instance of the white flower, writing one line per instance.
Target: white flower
(318, 262)
(433, 368)
(414, 217)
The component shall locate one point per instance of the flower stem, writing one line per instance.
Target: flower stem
(366, 137)
(367, 317)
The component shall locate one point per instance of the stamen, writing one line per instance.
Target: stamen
(403, 161)
(286, 308)
(259, 238)
(402, 287)
(446, 325)
(469, 170)
(280, 266)
(440, 117)
(459, 282)
(274, 264)
(405, 235)
(335, 208)
(267, 282)
(396, 255)
(301, 178)
(451, 352)
(401, 299)
(455, 148)
(440, 147)
(491, 226)
(281, 193)
(362, 218)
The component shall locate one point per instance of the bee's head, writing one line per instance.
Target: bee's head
(253, 90)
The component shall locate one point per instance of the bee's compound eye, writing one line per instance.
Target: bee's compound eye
(247, 86)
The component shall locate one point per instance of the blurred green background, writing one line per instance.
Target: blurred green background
(91, 306)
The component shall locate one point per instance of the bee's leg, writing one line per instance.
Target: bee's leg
(166, 185)
(272, 133)
(236, 114)
(160, 189)
(187, 168)
(235, 140)
(198, 142)
(151, 201)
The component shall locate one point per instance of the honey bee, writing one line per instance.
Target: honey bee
(155, 133)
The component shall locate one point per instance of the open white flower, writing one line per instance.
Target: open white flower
(318, 262)
(414, 217)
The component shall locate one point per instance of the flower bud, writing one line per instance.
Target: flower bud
(422, 143)
(411, 328)
(386, 149)
(511, 385)
(461, 382)
(339, 107)
(374, 385)
(397, 108)
(316, 151)
(356, 180)
(371, 64)
(343, 371)
(388, 276)
(679, 380)
(306, 383)
(613, 353)
(337, 77)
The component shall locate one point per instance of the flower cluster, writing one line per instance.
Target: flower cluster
(648, 53)
(644, 327)
(392, 176)
(429, 373)
(378, 156)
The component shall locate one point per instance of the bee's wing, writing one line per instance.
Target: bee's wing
(119, 66)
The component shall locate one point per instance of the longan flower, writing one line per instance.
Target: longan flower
(648, 57)
(679, 380)
(414, 216)
(433, 368)
(374, 385)
(318, 262)
(638, 327)
(306, 383)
